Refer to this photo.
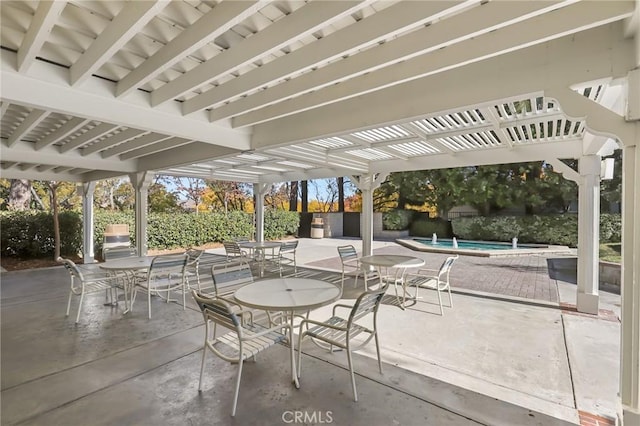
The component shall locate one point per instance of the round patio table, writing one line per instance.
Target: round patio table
(260, 249)
(128, 266)
(392, 261)
(288, 295)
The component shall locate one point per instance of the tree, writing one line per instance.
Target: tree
(193, 189)
(161, 200)
(19, 195)
(326, 194)
(53, 187)
(293, 196)
(226, 195)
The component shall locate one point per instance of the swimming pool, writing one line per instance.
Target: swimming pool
(475, 245)
(480, 248)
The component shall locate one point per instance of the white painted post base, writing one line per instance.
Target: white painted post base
(630, 417)
(588, 303)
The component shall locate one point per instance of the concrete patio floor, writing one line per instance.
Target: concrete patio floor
(495, 358)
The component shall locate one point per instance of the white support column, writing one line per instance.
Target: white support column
(630, 297)
(367, 184)
(86, 190)
(259, 190)
(588, 180)
(588, 234)
(141, 182)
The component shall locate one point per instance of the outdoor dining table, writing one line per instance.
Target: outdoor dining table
(259, 248)
(400, 263)
(129, 266)
(288, 295)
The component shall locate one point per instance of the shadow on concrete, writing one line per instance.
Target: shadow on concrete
(563, 269)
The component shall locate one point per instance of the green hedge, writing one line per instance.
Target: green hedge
(30, 234)
(551, 229)
(427, 227)
(396, 220)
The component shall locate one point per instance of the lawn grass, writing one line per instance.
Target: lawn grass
(611, 252)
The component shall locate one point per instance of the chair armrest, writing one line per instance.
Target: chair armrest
(340, 305)
(428, 270)
(322, 324)
(351, 262)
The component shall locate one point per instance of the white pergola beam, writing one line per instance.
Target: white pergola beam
(133, 17)
(179, 155)
(537, 30)
(91, 135)
(47, 87)
(62, 132)
(596, 53)
(3, 108)
(373, 29)
(43, 21)
(471, 23)
(114, 140)
(50, 155)
(134, 144)
(34, 174)
(29, 123)
(300, 23)
(211, 25)
(154, 148)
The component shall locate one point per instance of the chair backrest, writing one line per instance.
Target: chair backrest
(170, 266)
(232, 248)
(227, 275)
(193, 255)
(110, 253)
(289, 246)
(347, 253)
(241, 239)
(443, 273)
(367, 303)
(217, 310)
(75, 274)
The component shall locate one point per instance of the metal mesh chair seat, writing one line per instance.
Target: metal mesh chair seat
(335, 331)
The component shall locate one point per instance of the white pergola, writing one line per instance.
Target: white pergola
(264, 92)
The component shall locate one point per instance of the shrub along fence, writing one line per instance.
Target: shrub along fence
(30, 234)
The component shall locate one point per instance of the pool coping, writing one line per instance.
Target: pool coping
(542, 249)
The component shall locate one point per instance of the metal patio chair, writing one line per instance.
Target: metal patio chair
(340, 332)
(234, 252)
(243, 342)
(286, 256)
(166, 274)
(434, 279)
(89, 282)
(351, 265)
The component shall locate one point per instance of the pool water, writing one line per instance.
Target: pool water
(471, 245)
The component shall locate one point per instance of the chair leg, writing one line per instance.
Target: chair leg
(300, 337)
(355, 281)
(440, 301)
(450, 299)
(235, 398)
(149, 302)
(79, 307)
(378, 351)
(204, 354)
(353, 376)
(69, 302)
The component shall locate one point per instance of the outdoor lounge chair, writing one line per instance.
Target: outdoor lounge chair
(89, 282)
(242, 343)
(425, 278)
(340, 332)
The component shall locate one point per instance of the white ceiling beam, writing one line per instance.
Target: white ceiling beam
(136, 143)
(4, 108)
(133, 17)
(62, 132)
(27, 166)
(180, 156)
(50, 155)
(114, 140)
(47, 87)
(490, 113)
(568, 20)
(6, 165)
(298, 24)
(35, 174)
(465, 25)
(43, 21)
(211, 25)
(366, 32)
(29, 123)
(155, 147)
(89, 136)
(45, 168)
(597, 53)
